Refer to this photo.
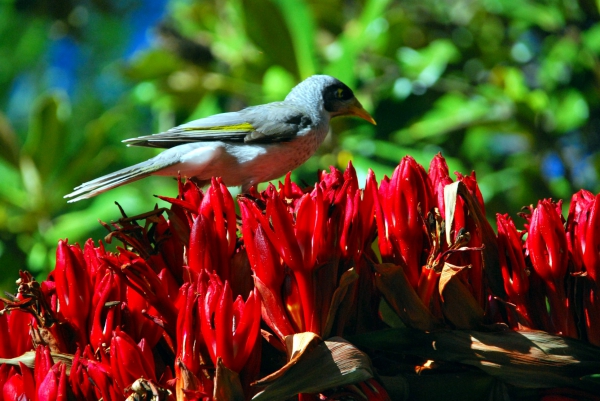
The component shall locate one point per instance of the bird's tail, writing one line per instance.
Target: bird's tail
(125, 176)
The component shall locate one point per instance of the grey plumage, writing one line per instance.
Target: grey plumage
(246, 147)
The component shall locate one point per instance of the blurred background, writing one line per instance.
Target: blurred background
(508, 88)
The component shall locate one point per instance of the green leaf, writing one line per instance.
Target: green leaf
(277, 83)
(9, 150)
(570, 112)
(451, 112)
(301, 26)
(354, 40)
(267, 28)
(47, 136)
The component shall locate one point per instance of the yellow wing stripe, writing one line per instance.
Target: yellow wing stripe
(235, 127)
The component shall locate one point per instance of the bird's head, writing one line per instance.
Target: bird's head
(334, 96)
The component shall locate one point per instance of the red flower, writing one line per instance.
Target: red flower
(54, 385)
(439, 177)
(404, 201)
(230, 328)
(14, 388)
(130, 361)
(514, 270)
(73, 289)
(547, 247)
(583, 234)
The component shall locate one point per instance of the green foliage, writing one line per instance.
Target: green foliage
(504, 87)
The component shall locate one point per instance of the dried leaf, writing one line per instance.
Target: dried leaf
(488, 237)
(397, 291)
(527, 359)
(459, 305)
(347, 281)
(147, 391)
(28, 359)
(227, 384)
(314, 366)
(186, 381)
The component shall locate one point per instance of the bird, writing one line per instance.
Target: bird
(256, 144)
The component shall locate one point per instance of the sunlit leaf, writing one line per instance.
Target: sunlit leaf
(315, 365)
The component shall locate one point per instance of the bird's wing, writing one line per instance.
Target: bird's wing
(273, 122)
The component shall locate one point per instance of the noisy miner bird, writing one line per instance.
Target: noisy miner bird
(246, 147)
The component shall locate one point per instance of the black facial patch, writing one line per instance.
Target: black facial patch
(335, 94)
(300, 120)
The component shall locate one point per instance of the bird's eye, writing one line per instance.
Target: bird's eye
(339, 93)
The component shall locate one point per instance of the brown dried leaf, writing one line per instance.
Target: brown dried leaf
(488, 236)
(28, 359)
(531, 359)
(227, 384)
(397, 291)
(314, 366)
(340, 297)
(459, 305)
(186, 381)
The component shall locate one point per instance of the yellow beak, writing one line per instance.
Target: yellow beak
(357, 110)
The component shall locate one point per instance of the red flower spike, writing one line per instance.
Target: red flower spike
(218, 205)
(5, 346)
(583, 236)
(142, 278)
(73, 288)
(102, 379)
(440, 177)
(5, 370)
(591, 246)
(54, 385)
(404, 201)
(591, 311)
(43, 364)
(169, 283)
(138, 325)
(203, 252)
(577, 225)
(265, 260)
(464, 219)
(230, 328)
(96, 266)
(129, 361)
(80, 381)
(273, 311)
(351, 177)
(188, 199)
(189, 340)
(106, 314)
(547, 243)
(310, 228)
(170, 245)
(28, 381)
(514, 270)
(13, 388)
(290, 190)
(547, 247)
(19, 323)
(470, 182)
(368, 205)
(282, 235)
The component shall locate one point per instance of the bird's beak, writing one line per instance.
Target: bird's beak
(357, 110)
